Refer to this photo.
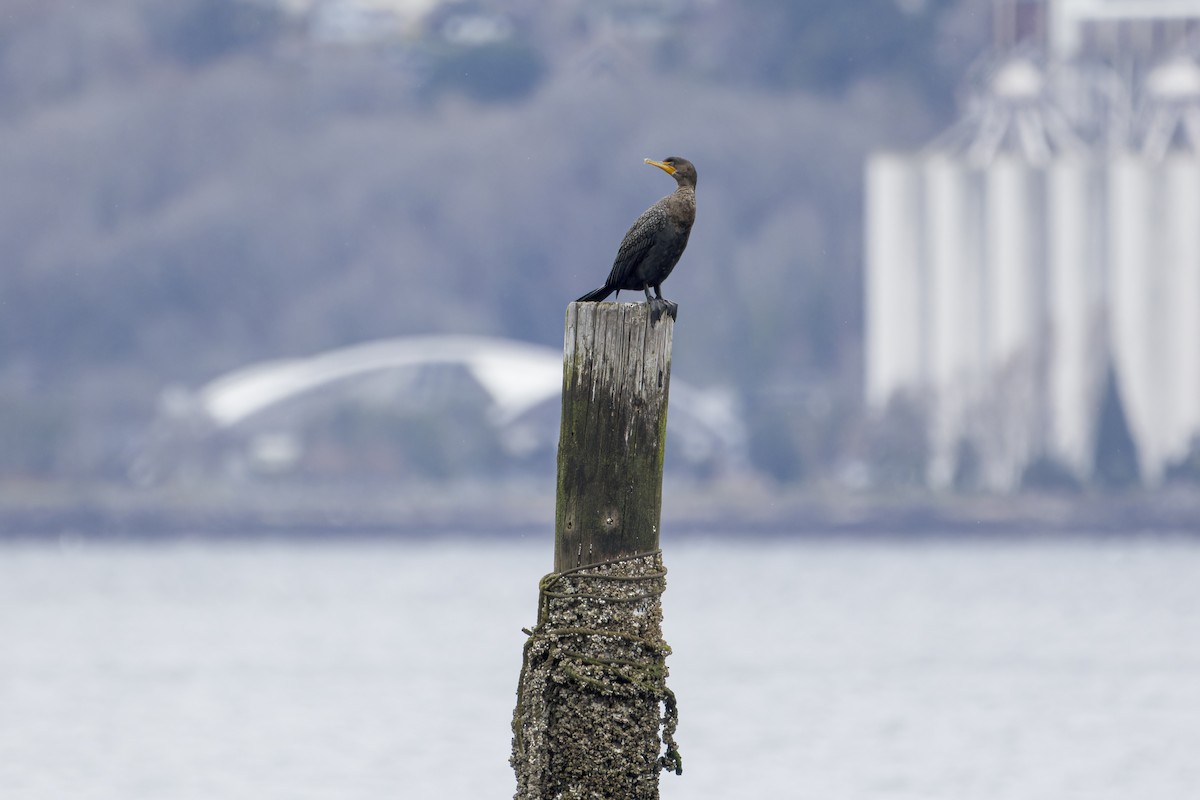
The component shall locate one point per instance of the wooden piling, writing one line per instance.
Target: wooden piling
(594, 715)
(616, 377)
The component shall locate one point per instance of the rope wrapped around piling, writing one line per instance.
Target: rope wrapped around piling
(592, 697)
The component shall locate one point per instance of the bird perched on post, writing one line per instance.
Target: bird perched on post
(652, 246)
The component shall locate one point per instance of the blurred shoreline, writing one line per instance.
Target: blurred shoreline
(48, 512)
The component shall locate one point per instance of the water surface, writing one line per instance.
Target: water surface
(1026, 669)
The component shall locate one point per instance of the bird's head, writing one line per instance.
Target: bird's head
(679, 168)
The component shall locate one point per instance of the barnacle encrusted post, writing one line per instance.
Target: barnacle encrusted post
(594, 717)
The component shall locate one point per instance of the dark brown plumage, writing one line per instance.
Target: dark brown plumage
(652, 246)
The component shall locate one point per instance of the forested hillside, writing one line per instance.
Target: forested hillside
(191, 186)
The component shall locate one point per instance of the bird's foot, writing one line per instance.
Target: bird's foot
(658, 305)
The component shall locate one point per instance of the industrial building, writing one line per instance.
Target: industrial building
(1041, 259)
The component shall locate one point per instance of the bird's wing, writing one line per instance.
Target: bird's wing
(637, 242)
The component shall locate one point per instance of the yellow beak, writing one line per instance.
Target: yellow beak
(665, 167)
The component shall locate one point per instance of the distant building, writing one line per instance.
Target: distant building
(358, 21)
(1048, 241)
(438, 406)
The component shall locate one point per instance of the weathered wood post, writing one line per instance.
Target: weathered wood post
(616, 376)
(594, 718)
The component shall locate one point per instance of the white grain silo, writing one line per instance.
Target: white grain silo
(1055, 234)
(1076, 352)
(1014, 314)
(954, 286)
(895, 342)
(1135, 300)
(1181, 262)
(1155, 293)
(1000, 243)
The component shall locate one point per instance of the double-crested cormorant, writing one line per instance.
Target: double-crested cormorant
(655, 242)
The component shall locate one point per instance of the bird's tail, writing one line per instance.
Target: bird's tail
(594, 296)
